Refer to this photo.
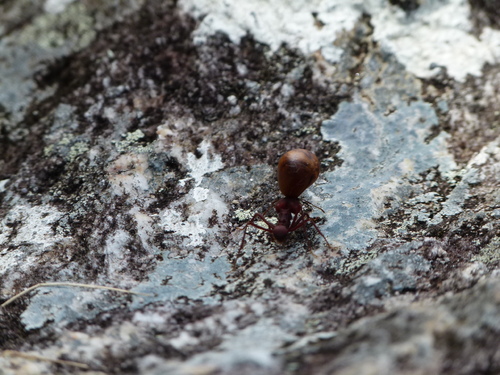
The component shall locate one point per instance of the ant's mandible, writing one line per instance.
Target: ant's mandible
(297, 170)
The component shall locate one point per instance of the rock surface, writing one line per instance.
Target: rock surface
(137, 136)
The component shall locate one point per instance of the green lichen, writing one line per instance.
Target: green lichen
(243, 215)
(65, 141)
(73, 27)
(305, 130)
(129, 144)
(134, 136)
(47, 151)
(68, 147)
(490, 254)
(77, 149)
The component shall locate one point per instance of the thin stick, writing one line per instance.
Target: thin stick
(19, 295)
(14, 353)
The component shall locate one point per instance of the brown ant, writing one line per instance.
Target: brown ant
(297, 170)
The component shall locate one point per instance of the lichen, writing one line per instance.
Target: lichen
(54, 30)
(489, 254)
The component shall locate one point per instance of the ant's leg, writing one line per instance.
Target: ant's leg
(296, 219)
(309, 219)
(313, 205)
(261, 217)
(303, 220)
(251, 222)
(299, 221)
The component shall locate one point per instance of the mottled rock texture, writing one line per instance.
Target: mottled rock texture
(137, 136)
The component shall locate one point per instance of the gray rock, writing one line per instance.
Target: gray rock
(137, 137)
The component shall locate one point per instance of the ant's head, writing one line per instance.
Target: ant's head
(279, 233)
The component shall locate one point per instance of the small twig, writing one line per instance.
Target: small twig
(14, 353)
(12, 299)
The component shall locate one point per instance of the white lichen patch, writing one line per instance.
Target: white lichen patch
(380, 194)
(26, 234)
(193, 222)
(149, 318)
(310, 26)
(129, 174)
(437, 33)
(56, 6)
(471, 175)
(200, 194)
(190, 217)
(447, 165)
(2, 185)
(183, 340)
(199, 167)
(145, 229)
(116, 253)
(25, 224)
(192, 228)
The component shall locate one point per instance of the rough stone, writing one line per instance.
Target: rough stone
(137, 137)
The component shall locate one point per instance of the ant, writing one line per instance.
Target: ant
(297, 170)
